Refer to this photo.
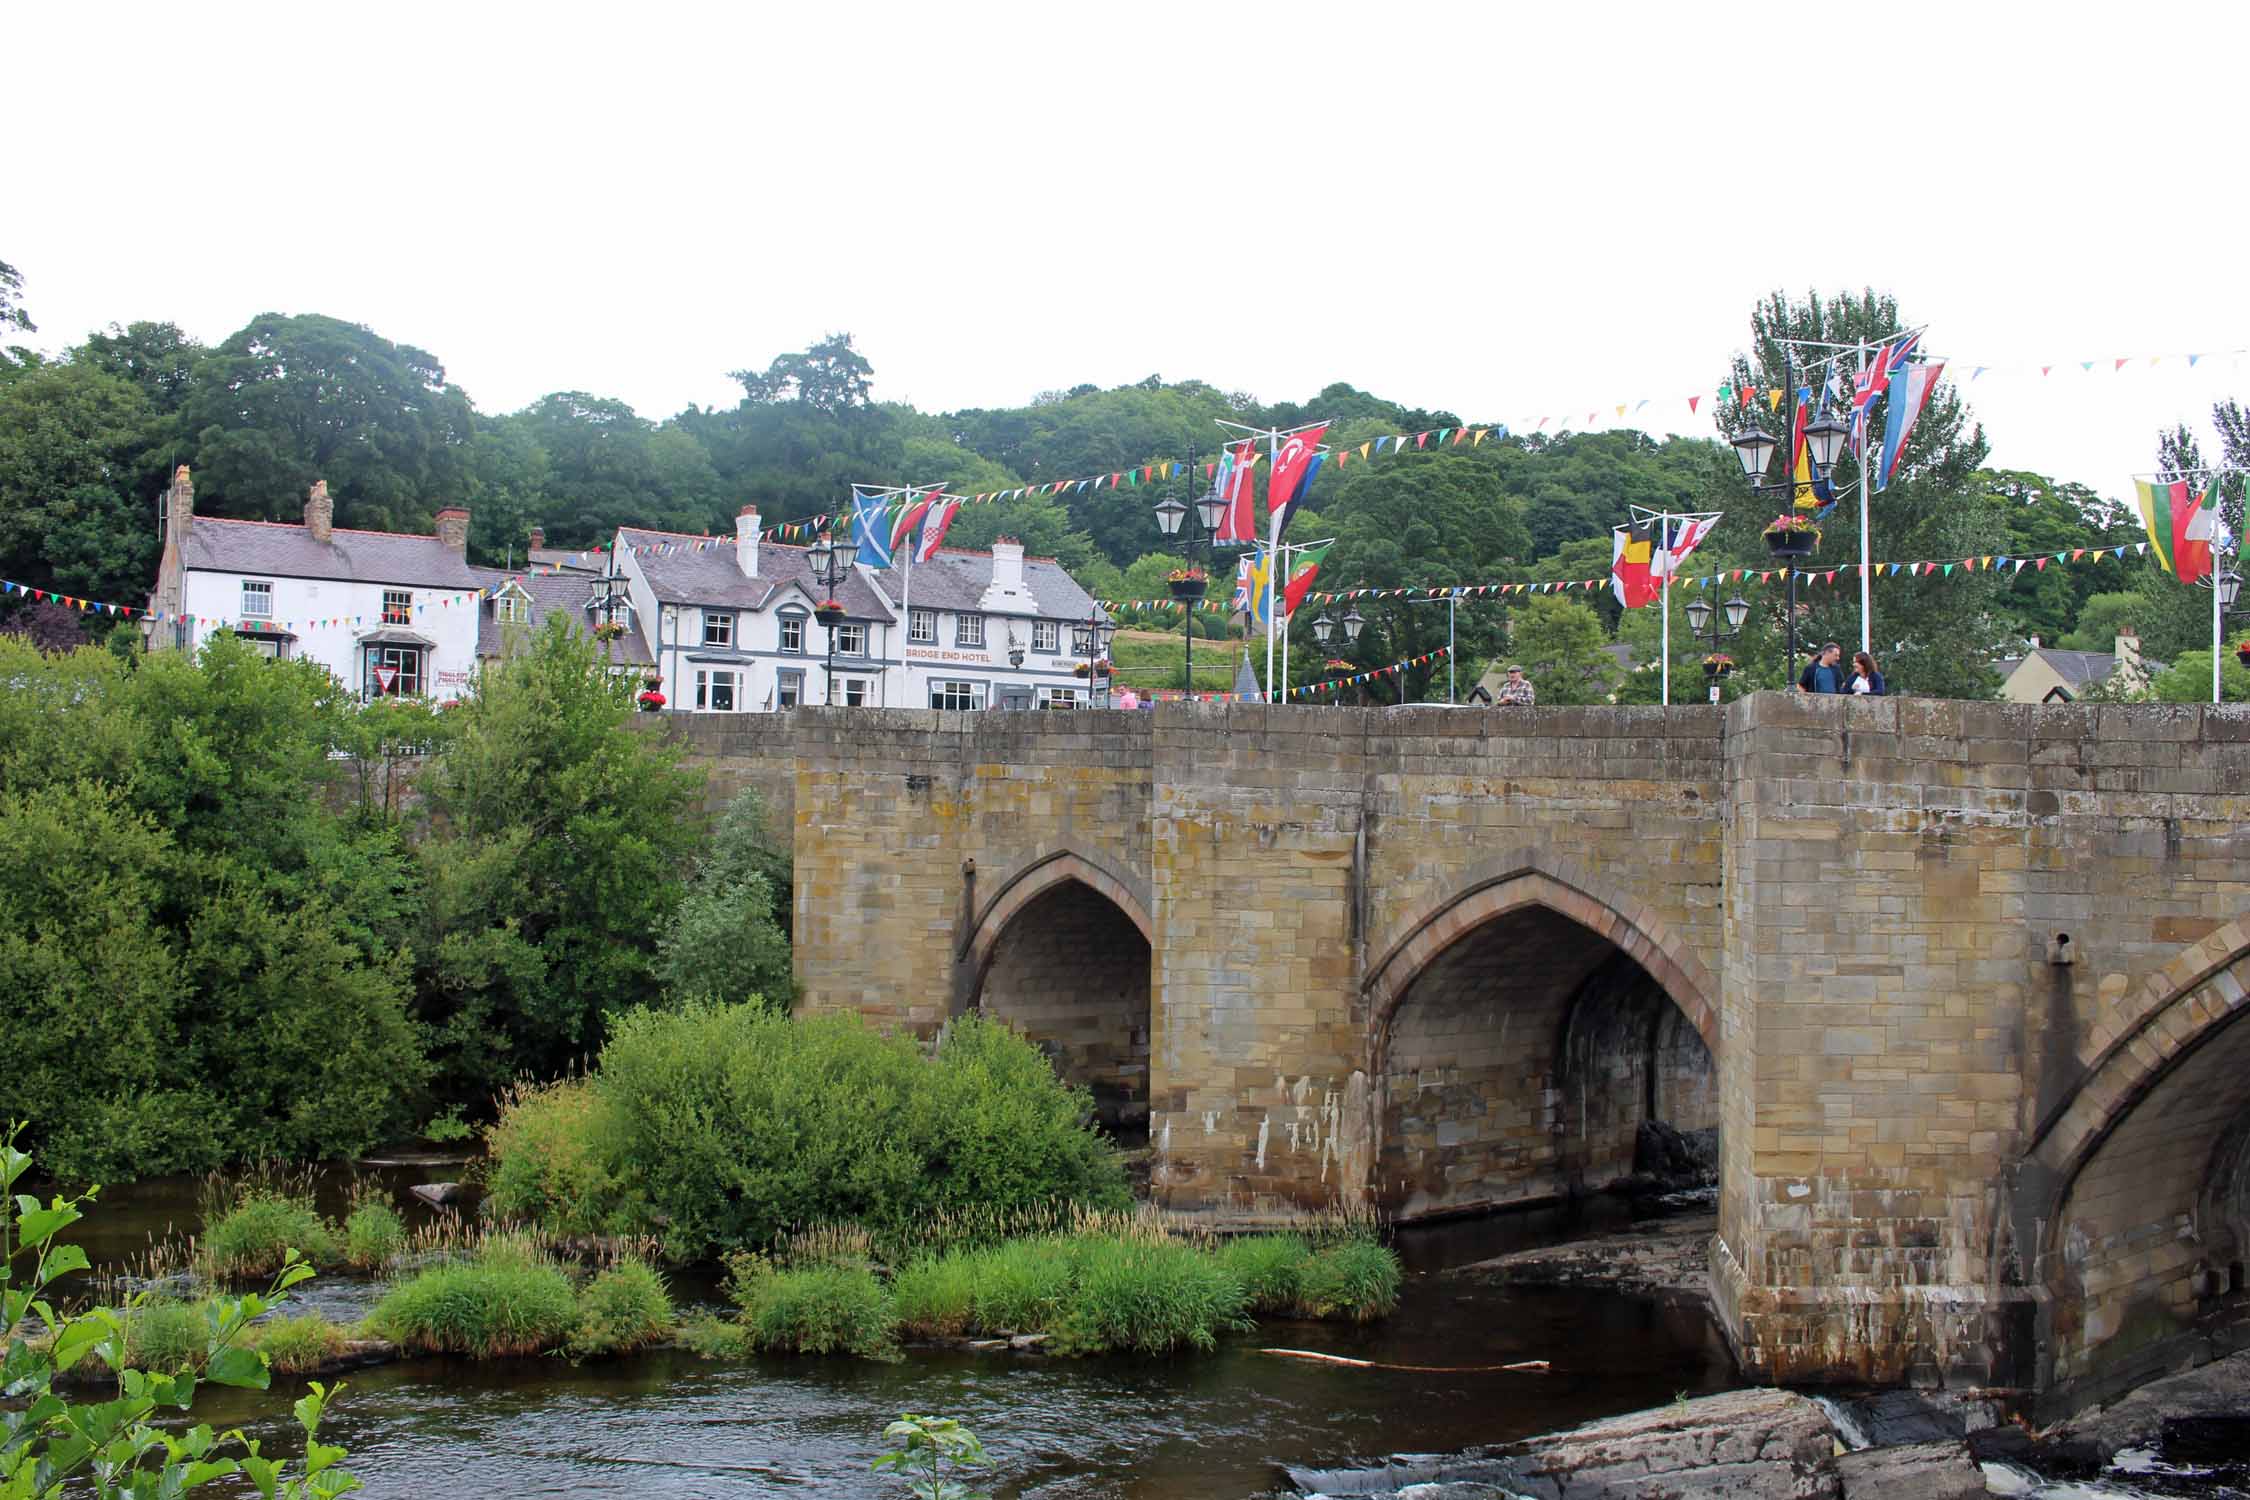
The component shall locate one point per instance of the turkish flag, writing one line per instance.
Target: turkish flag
(1239, 523)
(1298, 452)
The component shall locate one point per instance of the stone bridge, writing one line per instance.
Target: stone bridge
(1957, 983)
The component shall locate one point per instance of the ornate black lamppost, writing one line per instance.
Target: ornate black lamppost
(1700, 613)
(830, 561)
(1095, 632)
(1189, 590)
(1791, 536)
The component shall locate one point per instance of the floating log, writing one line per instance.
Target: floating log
(1521, 1366)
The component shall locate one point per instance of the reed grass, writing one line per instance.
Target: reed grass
(623, 1308)
(509, 1300)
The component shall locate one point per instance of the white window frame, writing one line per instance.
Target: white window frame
(1051, 696)
(510, 607)
(921, 627)
(968, 630)
(404, 604)
(261, 589)
(957, 694)
(851, 639)
(789, 689)
(793, 625)
(1046, 636)
(859, 692)
(718, 629)
(709, 681)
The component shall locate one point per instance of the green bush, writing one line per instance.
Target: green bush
(297, 1346)
(1150, 1296)
(819, 1310)
(622, 1309)
(724, 1126)
(1357, 1278)
(166, 1336)
(250, 1237)
(506, 1301)
(552, 1158)
(935, 1295)
(373, 1233)
(1270, 1268)
(714, 1337)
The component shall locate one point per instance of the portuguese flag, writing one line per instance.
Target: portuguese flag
(2181, 525)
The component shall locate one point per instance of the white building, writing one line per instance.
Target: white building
(384, 612)
(729, 623)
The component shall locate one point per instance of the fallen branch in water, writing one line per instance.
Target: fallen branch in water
(1525, 1366)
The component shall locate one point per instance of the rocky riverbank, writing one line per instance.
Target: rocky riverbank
(1668, 1255)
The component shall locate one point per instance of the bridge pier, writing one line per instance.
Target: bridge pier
(1376, 946)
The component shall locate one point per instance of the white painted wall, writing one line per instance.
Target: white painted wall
(328, 618)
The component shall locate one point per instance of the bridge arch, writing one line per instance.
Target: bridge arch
(2136, 1188)
(1524, 1032)
(1061, 952)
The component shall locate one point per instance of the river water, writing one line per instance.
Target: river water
(1194, 1427)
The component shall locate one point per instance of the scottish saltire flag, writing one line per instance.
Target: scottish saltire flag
(871, 529)
(1910, 392)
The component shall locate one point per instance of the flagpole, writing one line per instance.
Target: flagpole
(2218, 627)
(1866, 605)
(1664, 602)
(1273, 458)
(905, 624)
(1281, 581)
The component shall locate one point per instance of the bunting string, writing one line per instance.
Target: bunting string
(9, 587)
(1315, 689)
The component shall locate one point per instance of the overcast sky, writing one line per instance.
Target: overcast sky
(1504, 211)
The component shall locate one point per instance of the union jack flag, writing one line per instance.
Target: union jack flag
(1874, 380)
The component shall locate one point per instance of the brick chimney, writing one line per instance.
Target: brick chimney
(453, 529)
(746, 541)
(320, 512)
(538, 538)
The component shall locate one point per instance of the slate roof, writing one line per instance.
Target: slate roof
(681, 572)
(956, 579)
(2077, 669)
(550, 593)
(282, 550)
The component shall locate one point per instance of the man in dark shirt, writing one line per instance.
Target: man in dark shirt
(1825, 672)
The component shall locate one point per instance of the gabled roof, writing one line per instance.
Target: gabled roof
(2077, 669)
(956, 578)
(552, 593)
(702, 571)
(277, 549)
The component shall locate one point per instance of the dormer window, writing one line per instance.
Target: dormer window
(510, 607)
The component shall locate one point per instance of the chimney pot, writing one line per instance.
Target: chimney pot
(538, 538)
(453, 529)
(320, 512)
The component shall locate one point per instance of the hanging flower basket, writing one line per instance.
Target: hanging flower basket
(2242, 652)
(1791, 536)
(1091, 668)
(829, 613)
(1188, 583)
(1717, 664)
(607, 631)
(651, 701)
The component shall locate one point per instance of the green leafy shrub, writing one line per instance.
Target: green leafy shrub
(935, 1295)
(1356, 1278)
(724, 1126)
(1270, 1268)
(714, 1337)
(623, 1308)
(1150, 1296)
(931, 1451)
(818, 1310)
(373, 1233)
(299, 1345)
(251, 1237)
(508, 1300)
(553, 1158)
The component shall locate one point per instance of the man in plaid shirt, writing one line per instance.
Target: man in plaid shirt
(1517, 689)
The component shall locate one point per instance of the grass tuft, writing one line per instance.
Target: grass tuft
(373, 1233)
(509, 1300)
(299, 1345)
(1270, 1268)
(623, 1308)
(1354, 1278)
(248, 1238)
(817, 1310)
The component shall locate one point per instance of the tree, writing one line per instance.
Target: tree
(562, 839)
(727, 942)
(1560, 644)
(2188, 679)
(831, 377)
(288, 400)
(1935, 636)
(13, 318)
(75, 483)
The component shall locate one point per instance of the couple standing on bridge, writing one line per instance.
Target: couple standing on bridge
(1825, 674)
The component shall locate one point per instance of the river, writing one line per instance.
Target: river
(1194, 1427)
